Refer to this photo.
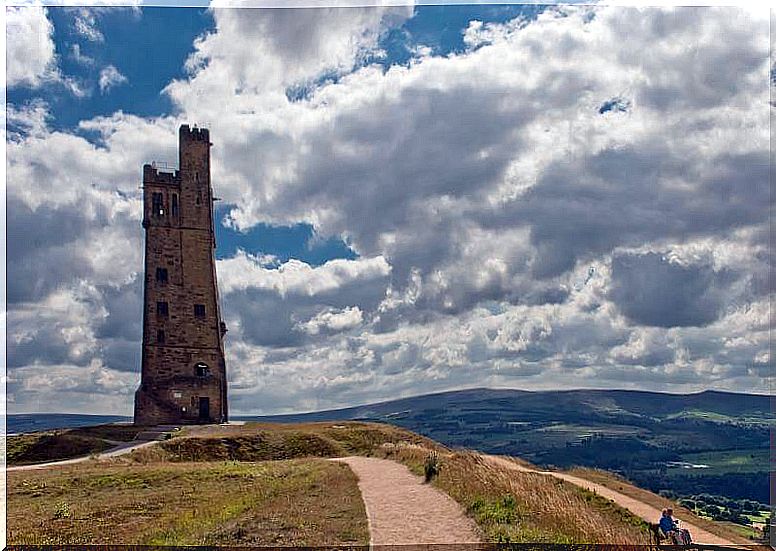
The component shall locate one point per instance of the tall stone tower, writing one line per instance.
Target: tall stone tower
(184, 373)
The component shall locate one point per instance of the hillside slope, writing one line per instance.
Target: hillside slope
(266, 484)
(666, 442)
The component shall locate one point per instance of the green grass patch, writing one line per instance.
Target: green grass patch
(724, 462)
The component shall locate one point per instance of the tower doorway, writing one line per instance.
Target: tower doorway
(204, 409)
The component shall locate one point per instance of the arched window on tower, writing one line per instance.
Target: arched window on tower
(202, 369)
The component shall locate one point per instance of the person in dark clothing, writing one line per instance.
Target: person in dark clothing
(670, 527)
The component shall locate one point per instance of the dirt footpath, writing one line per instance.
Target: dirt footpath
(120, 449)
(638, 508)
(401, 509)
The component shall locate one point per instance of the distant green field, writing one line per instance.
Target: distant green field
(762, 517)
(707, 415)
(724, 462)
(744, 531)
(579, 431)
(715, 417)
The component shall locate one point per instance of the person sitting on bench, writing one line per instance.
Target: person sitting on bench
(670, 527)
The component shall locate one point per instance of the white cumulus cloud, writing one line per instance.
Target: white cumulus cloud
(30, 47)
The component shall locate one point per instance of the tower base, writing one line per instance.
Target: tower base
(199, 404)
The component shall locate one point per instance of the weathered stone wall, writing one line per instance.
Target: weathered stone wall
(180, 240)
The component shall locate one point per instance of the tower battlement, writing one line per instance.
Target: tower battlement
(183, 377)
(194, 134)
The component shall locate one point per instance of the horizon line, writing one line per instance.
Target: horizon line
(437, 393)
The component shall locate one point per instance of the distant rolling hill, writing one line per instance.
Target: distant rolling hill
(540, 404)
(650, 437)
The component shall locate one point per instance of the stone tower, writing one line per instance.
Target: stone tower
(183, 376)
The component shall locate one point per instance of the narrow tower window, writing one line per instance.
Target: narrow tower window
(157, 204)
(161, 275)
(199, 310)
(175, 204)
(160, 336)
(161, 309)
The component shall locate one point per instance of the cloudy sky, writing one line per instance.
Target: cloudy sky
(414, 199)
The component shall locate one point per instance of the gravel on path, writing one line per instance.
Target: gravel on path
(402, 509)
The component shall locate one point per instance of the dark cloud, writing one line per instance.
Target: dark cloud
(42, 249)
(124, 305)
(650, 289)
(627, 196)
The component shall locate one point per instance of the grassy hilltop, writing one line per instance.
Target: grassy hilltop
(263, 484)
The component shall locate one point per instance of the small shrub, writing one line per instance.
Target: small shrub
(432, 466)
(62, 510)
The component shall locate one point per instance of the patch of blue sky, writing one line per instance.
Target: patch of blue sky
(437, 29)
(302, 91)
(441, 28)
(617, 105)
(148, 47)
(298, 241)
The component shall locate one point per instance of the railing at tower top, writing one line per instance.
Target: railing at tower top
(163, 166)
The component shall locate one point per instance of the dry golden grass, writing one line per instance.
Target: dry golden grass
(620, 484)
(156, 495)
(511, 506)
(299, 502)
(206, 487)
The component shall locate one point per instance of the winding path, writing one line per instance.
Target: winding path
(120, 449)
(638, 508)
(401, 509)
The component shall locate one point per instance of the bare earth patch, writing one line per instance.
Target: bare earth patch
(403, 510)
